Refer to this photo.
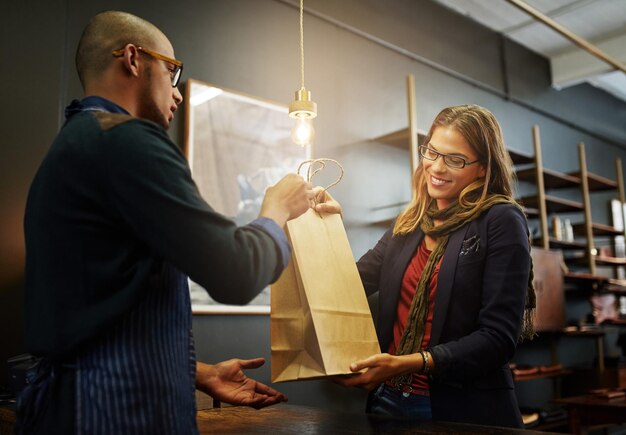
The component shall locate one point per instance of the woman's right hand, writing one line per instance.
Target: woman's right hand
(325, 203)
(377, 369)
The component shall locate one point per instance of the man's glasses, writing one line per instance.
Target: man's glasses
(175, 73)
(451, 161)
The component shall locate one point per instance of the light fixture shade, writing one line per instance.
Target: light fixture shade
(303, 107)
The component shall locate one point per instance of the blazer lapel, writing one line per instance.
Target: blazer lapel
(445, 280)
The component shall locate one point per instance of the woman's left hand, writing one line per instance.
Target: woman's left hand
(377, 369)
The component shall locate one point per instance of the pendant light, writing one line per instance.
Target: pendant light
(303, 110)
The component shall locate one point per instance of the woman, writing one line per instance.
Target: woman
(453, 275)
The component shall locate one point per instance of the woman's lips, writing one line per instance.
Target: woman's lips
(437, 181)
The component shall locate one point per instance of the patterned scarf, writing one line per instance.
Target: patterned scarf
(411, 339)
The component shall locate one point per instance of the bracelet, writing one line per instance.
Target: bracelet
(425, 370)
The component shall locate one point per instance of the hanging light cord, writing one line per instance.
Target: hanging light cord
(302, 42)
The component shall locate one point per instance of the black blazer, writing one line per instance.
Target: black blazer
(481, 295)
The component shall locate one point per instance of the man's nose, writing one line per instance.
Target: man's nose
(178, 98)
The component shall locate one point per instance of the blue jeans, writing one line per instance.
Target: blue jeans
(391, 402)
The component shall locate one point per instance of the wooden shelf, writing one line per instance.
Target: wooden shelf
(565, 245)
(520, 158)
(615, 322)
(598, 230)
(610, 261)
(399, 139)
(594, 282)
(597, 182)
(551, 179)
(562, 244)
(542, 375)
(382, 222)
(386, 220)
(544, 427)
(616, 286)
(579, 260)
(591, 333)
(554, 204)
(617, 282)
(600, 260)
(531, 212)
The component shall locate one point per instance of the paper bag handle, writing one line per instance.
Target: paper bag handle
(322, 164)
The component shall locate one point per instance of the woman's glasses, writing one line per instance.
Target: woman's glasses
(451, 161)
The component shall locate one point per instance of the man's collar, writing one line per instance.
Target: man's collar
(93, 104)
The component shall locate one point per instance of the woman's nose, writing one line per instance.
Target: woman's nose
(439, 165)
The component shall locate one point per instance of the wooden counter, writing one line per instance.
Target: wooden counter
(291, 419)
(7, 419)
(300, 420)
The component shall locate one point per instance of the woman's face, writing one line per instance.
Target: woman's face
(444, 182)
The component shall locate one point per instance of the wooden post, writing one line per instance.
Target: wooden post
(410, 90)
(620, 188)
(619, 272)
(541, 191)
(584, 181)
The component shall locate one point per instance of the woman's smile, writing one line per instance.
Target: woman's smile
(437, 181)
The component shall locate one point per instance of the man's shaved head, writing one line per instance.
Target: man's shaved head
(106, 32)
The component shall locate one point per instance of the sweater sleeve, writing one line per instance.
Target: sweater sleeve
(149, 185)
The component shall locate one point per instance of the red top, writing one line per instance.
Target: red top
(419, 383)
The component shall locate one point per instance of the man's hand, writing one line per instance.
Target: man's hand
(378, 368)
(227, 382)
(325, 203)
(287, 199)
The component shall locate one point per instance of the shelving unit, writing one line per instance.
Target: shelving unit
(407, 139)
(410, 137)
(402, 139)
(592, 182)
(581, 251)
(582, 257)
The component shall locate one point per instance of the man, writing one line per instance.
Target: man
(114, 225)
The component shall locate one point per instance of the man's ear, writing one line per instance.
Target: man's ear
(131, 60)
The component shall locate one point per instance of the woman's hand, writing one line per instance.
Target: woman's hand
(379, 368)
(325, 203)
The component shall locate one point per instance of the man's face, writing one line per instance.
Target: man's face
(158, 99)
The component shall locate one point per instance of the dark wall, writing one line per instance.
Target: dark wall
(358, 53)
(32, 37)
(478, 56)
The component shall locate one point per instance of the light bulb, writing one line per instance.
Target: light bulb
(303, 132)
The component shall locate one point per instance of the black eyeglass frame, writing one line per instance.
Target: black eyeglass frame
(423, 149)
(176, 73)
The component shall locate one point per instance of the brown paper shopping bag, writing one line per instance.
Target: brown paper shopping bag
(320, 319)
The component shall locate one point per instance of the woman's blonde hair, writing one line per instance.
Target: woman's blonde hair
(483, 133)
